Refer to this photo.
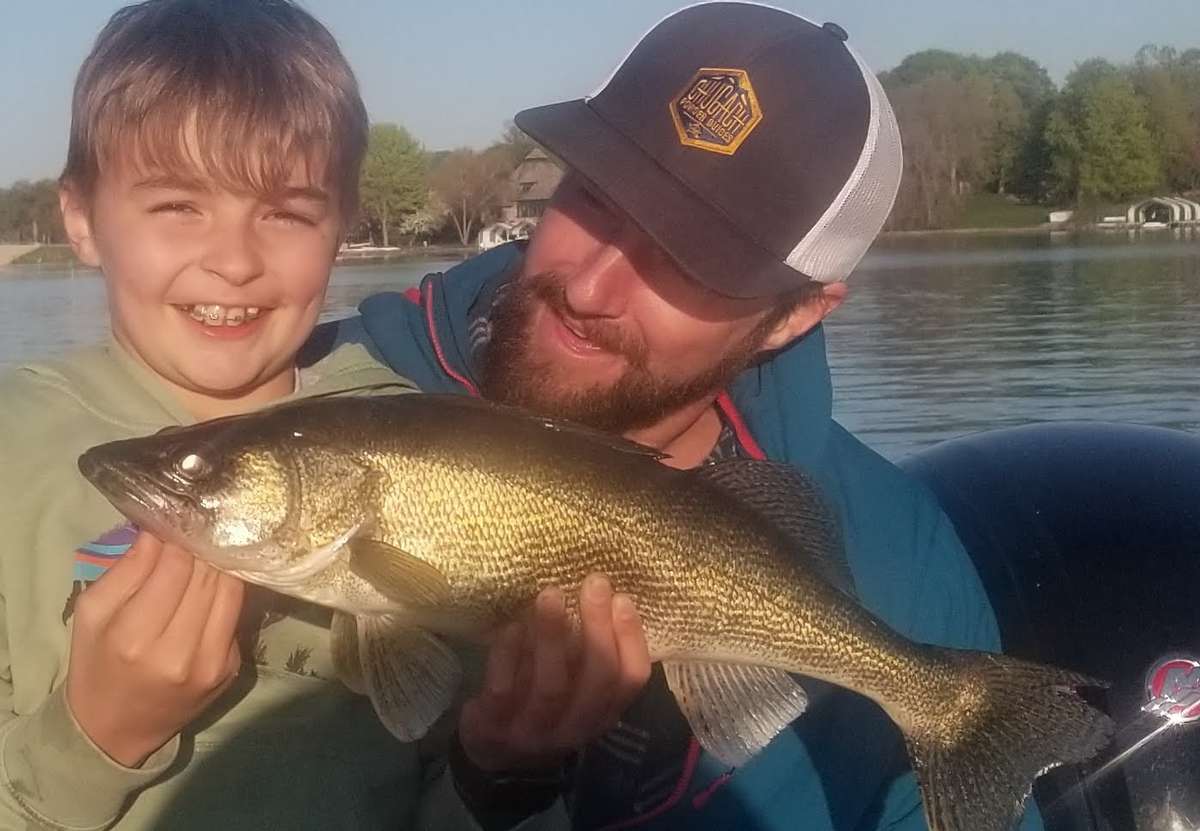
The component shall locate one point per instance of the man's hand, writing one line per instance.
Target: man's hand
(549, 691)
(153, 645)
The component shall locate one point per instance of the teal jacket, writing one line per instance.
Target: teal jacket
(842, 766)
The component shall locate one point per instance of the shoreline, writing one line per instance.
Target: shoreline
(373, 256)
(52, 255)
(1018, 229)
(59, 255)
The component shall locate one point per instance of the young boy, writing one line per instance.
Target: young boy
(213, 167)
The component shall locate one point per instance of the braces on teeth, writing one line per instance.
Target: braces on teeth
(217, 315)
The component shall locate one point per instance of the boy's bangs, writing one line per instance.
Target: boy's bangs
(236, 148)
(247, 96)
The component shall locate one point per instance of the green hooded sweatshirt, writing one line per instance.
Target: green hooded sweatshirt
(287, 747)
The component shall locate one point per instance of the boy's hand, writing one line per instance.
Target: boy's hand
(153, 645)
(548, 692)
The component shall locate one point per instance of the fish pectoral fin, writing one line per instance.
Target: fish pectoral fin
(343, 647)
(410, 675)
(734, 710)
(397, 574)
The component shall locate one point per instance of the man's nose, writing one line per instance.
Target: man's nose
(603, 284)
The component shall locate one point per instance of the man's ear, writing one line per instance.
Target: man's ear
(77, 219)
(805, 316)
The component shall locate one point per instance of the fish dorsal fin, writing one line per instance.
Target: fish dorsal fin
(410, 675)
(734, 710)
(608, 440)
(397, 574)
(343, 648)
(792, 502)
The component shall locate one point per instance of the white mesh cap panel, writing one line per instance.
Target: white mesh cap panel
(835, 245)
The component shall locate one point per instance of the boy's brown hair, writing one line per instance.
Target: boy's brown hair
(235, 91)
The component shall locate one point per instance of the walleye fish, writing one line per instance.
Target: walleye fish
(420, 516)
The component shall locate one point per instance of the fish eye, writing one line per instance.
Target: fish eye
(192, 466)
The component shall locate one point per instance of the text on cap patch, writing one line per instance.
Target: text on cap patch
(716, 111)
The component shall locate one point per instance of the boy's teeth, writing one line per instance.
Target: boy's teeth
(212, 314)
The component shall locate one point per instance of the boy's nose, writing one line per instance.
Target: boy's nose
(233, 253)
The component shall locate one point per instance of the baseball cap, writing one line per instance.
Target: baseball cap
(753, 145)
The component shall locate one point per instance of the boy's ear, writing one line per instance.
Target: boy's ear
(805, 316)
(77, 219)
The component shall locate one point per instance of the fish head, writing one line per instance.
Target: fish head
(246, 494)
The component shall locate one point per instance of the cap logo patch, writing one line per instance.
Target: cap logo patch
(716, 111)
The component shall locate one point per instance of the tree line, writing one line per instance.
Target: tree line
(1000, 125)
(970, 125)
(410, 195)
(29, 213)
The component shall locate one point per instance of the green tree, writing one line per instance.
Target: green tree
(1101, 146)
(1170, 86)
(1019, 148)
(1029, 79)
(997, 120)
(921, 66)
(393, 176)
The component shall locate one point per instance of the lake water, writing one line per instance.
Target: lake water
(941, 336)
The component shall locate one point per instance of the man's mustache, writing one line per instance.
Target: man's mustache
(608, 336)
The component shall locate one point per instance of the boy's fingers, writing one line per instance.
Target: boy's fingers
(220, 629)
(146, 614)
(181, 639)
(122, 580)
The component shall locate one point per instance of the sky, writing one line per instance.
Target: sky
(455, 71)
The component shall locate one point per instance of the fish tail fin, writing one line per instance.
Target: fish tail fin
(1013, 720)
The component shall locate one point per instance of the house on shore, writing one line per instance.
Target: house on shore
(531, 186)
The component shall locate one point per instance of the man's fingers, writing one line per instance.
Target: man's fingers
(499, 694)
(548, 695)
(634, 655)
(595, 685)
(482, 737)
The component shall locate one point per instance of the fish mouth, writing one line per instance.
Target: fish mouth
(138, 496)
(150, 505)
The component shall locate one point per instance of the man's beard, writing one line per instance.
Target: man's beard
(511, 374)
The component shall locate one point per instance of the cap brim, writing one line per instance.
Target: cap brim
(702, 241)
